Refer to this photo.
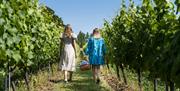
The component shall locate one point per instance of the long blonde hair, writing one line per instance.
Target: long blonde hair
(68, 31)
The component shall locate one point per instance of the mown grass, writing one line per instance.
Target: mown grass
(82, 81)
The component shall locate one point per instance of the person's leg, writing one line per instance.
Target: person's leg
(98, 73)
(65, 75)
(70, 76)
(94, 73)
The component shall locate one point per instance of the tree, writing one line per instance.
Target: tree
(56, 18)
(81, 39)
(87, 36)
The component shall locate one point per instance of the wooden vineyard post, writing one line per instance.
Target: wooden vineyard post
(172, 87)
(26, 78)
(13, 86)
(166, 86)
(9, 78)
(52, 71)
(139, 79)
(6, 83)
(124, 76)
(117, 72)
(155, 84)
(49, 70)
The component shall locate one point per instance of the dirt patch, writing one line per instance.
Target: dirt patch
(117, 85)
(49, 84)
(44, 87)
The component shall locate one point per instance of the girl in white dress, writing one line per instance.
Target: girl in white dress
(68, 53)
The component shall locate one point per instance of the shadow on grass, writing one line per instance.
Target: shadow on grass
(56, 81)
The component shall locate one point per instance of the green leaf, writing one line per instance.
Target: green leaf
(2, 6)
(3, 55)
(2, 21)
(26, 49)
(2, 41)
(30, 11)
(16, 39)
(33, 39)
(3, 46)
(9, 41)
(30, 55)
(29, 62)
(0, 12)
(10, 10)
(2, 73)
(12, 30)
(16, 56)
(9, 53)
(32, 47)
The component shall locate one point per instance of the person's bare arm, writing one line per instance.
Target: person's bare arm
(60, 53)
(61, 45)
(74, 46)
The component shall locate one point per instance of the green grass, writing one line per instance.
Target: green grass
(132, 80)
(146, 83)
(1, 81)
(82, 81)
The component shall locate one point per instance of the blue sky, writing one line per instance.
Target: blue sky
(85, 15)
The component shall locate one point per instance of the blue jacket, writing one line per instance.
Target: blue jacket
(96, 50)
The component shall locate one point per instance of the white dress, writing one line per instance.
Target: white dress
(67, 60)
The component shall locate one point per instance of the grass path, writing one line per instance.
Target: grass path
(82, 81)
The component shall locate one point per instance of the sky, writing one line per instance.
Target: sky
(85, 15)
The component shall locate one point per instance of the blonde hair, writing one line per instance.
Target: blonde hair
(68, 31)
